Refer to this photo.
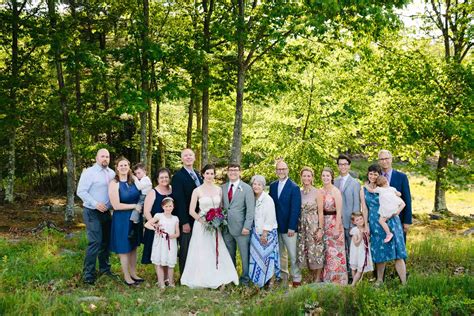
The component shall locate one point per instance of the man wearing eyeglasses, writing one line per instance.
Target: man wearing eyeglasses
(350, 191)
(239, 200)
(287, 197)
(399, 181)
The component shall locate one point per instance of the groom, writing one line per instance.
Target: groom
(239, 200)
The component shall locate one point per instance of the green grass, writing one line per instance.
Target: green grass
(41, 275)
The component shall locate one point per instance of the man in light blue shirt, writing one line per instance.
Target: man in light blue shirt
(93, 189)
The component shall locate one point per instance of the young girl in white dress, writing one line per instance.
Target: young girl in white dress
(165, 248)
(360, 258)
(390, 204)
(205, 267)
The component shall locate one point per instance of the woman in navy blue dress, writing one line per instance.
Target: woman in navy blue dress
(124, 197)
(382, 252)
(152, 206)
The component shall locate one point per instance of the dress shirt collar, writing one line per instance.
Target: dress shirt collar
(236, 184)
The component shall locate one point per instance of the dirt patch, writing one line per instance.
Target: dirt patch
(22, 217)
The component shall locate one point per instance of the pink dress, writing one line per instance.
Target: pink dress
(335, 270)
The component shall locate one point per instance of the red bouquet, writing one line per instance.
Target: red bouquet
(215, 221)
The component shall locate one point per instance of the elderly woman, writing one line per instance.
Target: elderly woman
(124, 197)
(382, 252)
(264, 254)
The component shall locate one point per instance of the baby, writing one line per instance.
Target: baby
(143, 183)
(390, 204)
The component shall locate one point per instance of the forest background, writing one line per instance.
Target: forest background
(241, 81)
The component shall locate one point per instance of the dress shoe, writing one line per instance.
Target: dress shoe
(89, 281)
(296, 284)
(130, 284)
(139, 280)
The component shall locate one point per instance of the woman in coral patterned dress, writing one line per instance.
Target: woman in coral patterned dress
(330, 201)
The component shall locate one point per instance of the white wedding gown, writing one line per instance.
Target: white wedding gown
(200, 270)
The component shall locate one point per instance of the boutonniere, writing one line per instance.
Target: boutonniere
(240, 188)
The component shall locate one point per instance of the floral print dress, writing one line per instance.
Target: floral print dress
(335, 269)
(395, 248)
(310, 252)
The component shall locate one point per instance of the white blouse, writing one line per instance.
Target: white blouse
(265, 217)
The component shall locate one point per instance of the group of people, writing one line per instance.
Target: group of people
(337, 231)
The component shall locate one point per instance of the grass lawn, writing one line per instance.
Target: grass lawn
(40, 274)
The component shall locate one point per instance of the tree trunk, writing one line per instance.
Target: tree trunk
(236, 152)
(144, 84)
(198, 162)
(105, 96)
(205, 119)
(440, 187)
(208, 8)
(9, 190)
(192, 100)
(161, 162)
(56, 47)
(150, 136)
(310, 104)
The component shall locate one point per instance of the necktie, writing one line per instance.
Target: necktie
(195, 179)
(385, 174)
(231, 192)
(341, 185)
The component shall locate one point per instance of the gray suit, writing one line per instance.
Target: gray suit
(350, 204)
(240, 214)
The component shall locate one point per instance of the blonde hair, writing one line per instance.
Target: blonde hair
(307, 169)
(357, 214)
(381, 181)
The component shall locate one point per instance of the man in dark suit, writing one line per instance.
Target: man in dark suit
(399, 181)
(183, 183)
(287, 197)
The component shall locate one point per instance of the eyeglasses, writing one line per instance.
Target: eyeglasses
(233, 170)
(383, 159)
(343, 164)
(281, 169)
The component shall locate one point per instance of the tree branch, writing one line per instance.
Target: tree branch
(269, 47)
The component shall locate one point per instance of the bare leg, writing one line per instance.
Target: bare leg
(161, 276)
(401, 270)
(171, 276)
(157, 270)
(133, 263)
(380, 271)
(356, 276)
(124, 262)
(382, 222)
(317, 278)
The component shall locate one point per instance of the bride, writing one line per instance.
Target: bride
(201, 270)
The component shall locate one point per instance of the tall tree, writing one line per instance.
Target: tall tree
(454, 20)
(56, 52)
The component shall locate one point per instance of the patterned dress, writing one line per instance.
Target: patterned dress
(335, 269)
(383, 252)
(310, 252)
